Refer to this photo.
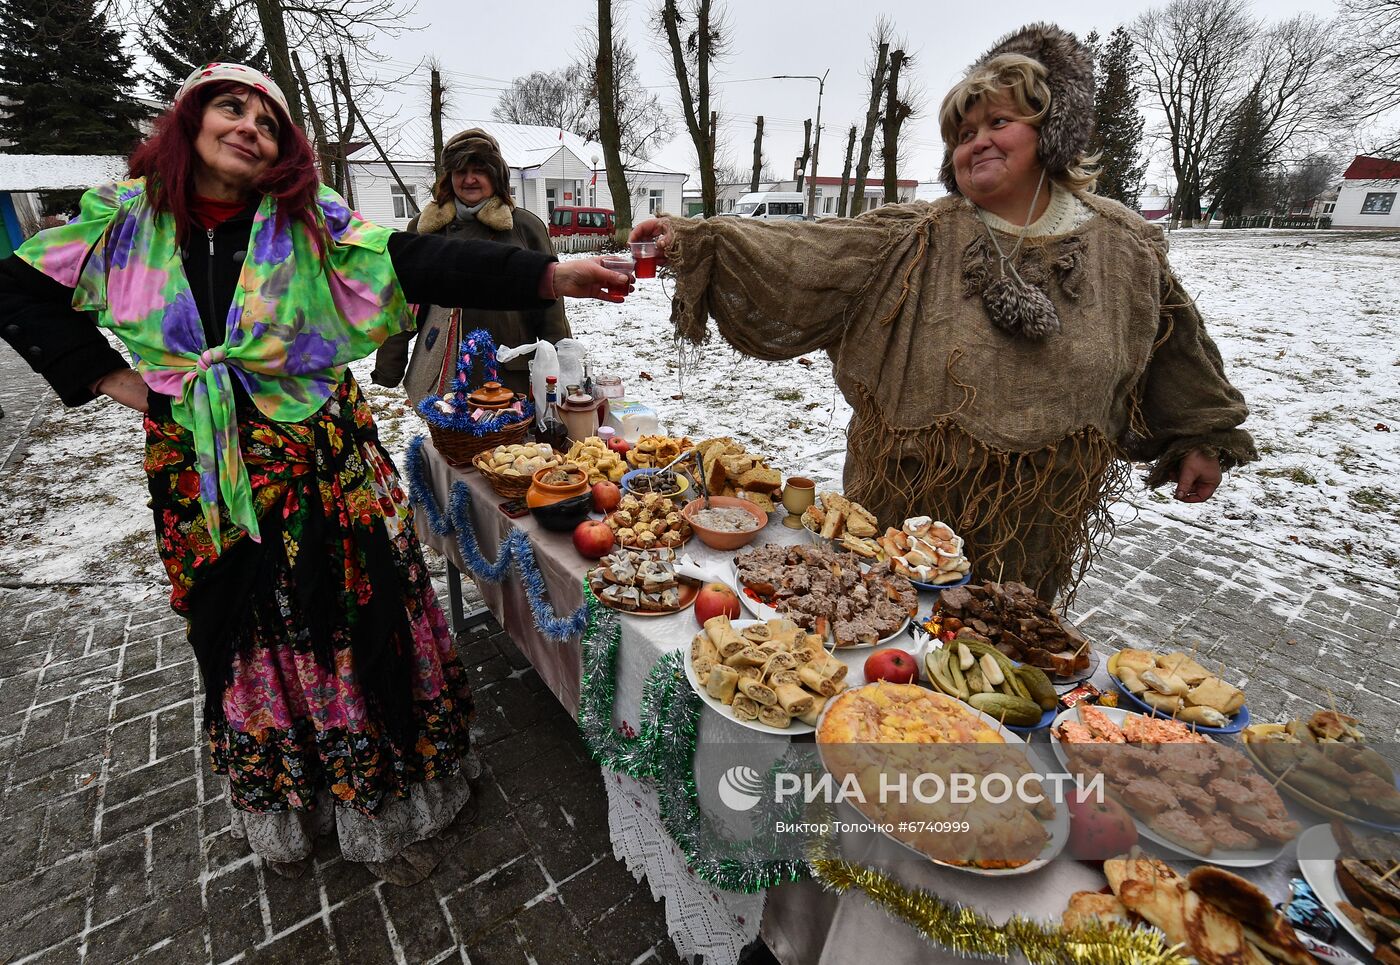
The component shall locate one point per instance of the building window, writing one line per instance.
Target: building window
(1378, 202)
(402, 207)
(1328, 207)
(655, 200)
(827, 204)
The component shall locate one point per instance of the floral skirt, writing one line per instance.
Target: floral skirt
(330, 670)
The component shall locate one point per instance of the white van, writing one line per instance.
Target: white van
(773, 205)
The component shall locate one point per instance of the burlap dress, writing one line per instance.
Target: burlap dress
(1020, 445)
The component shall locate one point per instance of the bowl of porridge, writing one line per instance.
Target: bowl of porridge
(727, 523)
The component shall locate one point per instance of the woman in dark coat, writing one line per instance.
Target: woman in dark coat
(471, 200)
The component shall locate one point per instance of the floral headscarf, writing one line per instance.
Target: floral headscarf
(292, 327)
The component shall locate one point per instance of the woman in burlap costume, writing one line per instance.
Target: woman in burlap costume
(1008, 350)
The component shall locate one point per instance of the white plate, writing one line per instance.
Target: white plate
(1229, 859)
(1321, 874)
(1058, 825)
(765, 612)
(724, 710)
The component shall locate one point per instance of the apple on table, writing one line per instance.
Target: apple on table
(893, 665)
(716, 599)
(1099, 827)
(593, 538)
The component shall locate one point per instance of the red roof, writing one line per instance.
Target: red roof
(1372, 169)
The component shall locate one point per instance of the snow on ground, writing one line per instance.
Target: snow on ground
(1307, 322)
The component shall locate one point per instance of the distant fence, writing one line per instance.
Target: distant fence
(1277, 221)
(573, 244)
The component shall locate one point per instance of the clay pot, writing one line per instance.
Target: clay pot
(492, 395)
(560, 506)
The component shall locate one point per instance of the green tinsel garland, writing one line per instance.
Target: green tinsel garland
(663, 753)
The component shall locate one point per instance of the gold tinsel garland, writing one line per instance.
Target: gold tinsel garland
(970, 933)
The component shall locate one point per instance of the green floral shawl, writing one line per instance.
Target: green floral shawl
(299, 315)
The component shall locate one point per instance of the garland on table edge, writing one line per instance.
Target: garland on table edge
(968, 932)
(663, 753)
(515, 550)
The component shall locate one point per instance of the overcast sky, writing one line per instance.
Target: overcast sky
(482, 46)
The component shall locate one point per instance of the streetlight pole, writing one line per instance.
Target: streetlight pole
(817, 145)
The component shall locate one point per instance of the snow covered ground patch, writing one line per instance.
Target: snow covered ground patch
(1307, 323)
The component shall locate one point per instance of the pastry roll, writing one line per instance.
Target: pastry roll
(758, 692)
(814, 712)
(703, 648)
(829, 666)
(758, 633)
(794, 700)
(722, 682)
(785, 632)
(773, 647)
(815, 682)
(779, 661)
(745, 708)
(774, 716)
(703, 666)
(779, 677)
(748, 657)
(751, 673)
(722, 635)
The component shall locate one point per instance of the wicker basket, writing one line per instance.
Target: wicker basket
(459, 448)
(509, 486)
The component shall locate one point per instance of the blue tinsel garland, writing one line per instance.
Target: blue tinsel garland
(515, 550)
(477, 350)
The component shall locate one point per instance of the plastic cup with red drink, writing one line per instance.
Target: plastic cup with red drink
(623, 264)
(645, 254)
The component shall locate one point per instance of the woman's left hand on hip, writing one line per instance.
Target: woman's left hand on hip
(1196, 477)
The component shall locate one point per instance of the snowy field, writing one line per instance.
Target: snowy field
(1308, 323)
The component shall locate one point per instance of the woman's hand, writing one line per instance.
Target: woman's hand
(587, 278)
(125, 386)
(653, 229)
(1196, 477)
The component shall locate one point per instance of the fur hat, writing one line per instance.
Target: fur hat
(473, 145)
(1069, 122)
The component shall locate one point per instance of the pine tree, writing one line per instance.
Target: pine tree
(190, 33)
(1118, 122)
(1242, 176)
(66, 81)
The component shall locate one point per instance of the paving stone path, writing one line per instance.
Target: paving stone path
(114, 838)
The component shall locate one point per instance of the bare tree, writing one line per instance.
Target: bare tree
(1194, 55)
(880, 40)
(560, 98)
(692, 56)
(1373, 53)
(842, 201)
(799, 166)
(898, 109)
(757, 152)
(567, 98)
(609, 133)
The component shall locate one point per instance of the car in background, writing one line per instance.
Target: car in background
(771, 205)
(570, 220)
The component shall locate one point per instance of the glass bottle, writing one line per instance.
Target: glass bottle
(552, 429)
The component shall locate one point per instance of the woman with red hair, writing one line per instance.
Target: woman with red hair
(242, 288)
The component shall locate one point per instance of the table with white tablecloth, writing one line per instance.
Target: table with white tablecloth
(800, 921)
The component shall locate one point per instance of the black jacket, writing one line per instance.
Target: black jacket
(67, 349)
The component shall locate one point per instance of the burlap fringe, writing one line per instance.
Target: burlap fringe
(1041, 516)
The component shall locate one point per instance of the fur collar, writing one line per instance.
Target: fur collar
(494, 214)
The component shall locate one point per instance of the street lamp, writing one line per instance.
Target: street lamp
(593, 188)
(817, 145)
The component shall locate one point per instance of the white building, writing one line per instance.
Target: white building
(1367, 198)
(547, 168)
(828, 194)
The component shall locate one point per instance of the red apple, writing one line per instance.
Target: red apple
(715, 599)
(1099, 827)
(895, 665)
(606, 496)
(619, 446)
(593, 538)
